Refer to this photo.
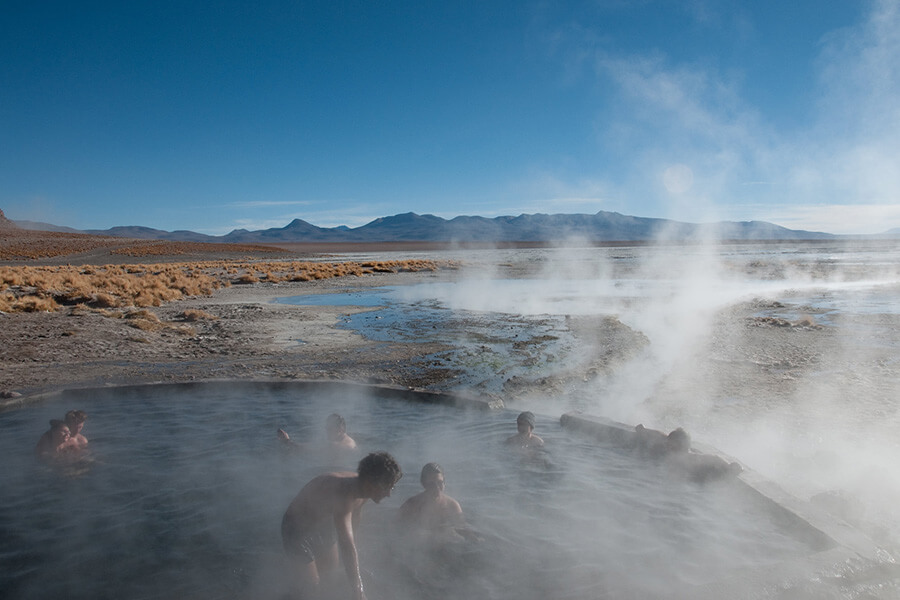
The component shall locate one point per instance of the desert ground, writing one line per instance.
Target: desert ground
(86, 311)
(226, 331)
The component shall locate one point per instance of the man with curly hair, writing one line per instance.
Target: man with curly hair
(75, 422)
(320, 522)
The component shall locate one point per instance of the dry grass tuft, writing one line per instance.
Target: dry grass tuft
(143, 314)
(30, 304)
(104, 300)
(101, 287)
(145, 324)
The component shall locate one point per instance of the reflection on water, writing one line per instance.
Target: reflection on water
(189, 483)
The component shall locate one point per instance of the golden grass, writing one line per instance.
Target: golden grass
(142, 314)
(47, 288)
(145, 325)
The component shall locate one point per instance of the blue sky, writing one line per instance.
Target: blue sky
(212, 116)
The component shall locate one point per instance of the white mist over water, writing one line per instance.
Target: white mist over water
(188, 484)
(815, 408)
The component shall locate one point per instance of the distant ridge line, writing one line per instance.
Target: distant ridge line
(603, 226)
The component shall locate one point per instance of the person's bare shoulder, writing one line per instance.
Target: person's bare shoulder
(326, 484)
(412, 505)
(452, 506)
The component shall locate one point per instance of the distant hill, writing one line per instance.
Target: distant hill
(147, 233)
(38, 226)
(6, 223)
(603, 226)
(411, 227)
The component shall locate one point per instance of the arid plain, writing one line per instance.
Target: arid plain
(82, 310)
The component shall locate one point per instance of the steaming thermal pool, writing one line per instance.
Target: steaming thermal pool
(186, 486)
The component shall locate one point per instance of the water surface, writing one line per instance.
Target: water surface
(187, 485)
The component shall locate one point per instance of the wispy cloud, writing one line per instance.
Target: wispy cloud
(851, 156)
(688, 116)
(268, 203)
(836, 218)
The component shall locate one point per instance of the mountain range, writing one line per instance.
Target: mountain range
(601, 227)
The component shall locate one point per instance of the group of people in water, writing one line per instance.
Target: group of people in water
(318, 527)
(674, 451)
(64, 438)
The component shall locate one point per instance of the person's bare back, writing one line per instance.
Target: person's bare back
(322, 518)
(323, 497)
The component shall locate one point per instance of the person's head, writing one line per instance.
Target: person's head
(525, 422)
(432, 477)
(59, 432)
(75, 420)
(678, 442)
(378, 474)
(335, 426)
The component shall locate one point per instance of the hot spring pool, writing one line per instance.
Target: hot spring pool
(188, 483)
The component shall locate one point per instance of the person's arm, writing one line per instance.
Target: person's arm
(408, 509)
(288, 442)
(459, 525)
(354, 517)
(455, 512)
(71, 445)
(344, 522)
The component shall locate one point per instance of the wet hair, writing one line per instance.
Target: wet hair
(57, 425)
(337, 420)
(526, 417)
(76, 416)
(431, 468)
(379, 467)
(678, 440)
